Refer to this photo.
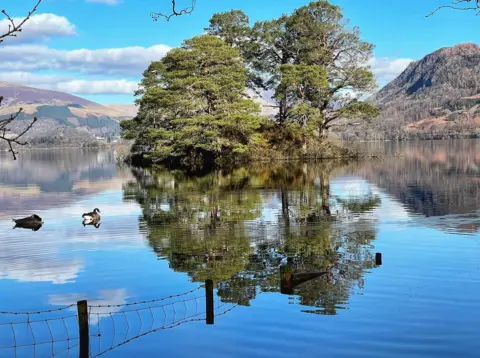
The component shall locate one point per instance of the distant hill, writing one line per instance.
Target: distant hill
(128, 110)
(439, 93)
(63, 118)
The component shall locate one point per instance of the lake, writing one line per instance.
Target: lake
(373, 258)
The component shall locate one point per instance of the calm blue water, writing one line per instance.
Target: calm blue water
(165, 234)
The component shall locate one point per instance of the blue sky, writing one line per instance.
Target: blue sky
(97, 49)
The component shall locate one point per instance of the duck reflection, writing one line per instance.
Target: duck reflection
(92, 223)
(93, 218)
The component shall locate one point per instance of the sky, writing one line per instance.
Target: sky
(98, 49)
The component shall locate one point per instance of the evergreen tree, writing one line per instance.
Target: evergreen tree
(315, 38)
(191, 106)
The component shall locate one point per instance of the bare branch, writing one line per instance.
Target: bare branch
(14, 28)
(175, 12)
(5, 131)
(466, 5)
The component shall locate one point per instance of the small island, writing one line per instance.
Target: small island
(196, 106)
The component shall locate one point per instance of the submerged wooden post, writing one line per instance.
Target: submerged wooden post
(378, 259)
(209, 299)
(286, 280)
(82, 308)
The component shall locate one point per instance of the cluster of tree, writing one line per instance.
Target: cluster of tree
(211, 227)
(192, 103)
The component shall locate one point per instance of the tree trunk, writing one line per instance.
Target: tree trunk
(322, 131)
(285, 210)
(304, 146)
(325, 192)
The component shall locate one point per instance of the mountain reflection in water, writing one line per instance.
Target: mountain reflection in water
(439, 179)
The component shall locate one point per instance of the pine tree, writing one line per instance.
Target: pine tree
(192, 110)
(315, 36)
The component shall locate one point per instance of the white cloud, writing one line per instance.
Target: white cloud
(126, 61)
(19, 64)
(107, 2)
(98, 87)
(386, 69)
(40, 27)
(33, 79)
(69, 84)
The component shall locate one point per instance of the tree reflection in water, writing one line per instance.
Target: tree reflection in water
(214, 227)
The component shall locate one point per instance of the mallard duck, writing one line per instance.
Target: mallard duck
(93, 216)
(33, 222)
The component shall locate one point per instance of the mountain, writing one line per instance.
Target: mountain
(440, 92)
(62, 118)
(129, 110)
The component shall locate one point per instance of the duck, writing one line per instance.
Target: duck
(33, 222)
(93, 216)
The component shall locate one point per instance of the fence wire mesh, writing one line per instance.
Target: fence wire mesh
(56, 332)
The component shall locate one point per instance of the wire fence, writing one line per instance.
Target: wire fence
(91, 331)
(140, 322)
(39, 334)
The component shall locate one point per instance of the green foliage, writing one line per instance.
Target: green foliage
(232, 26)
(313, 48)
(191, 109)
(301, 83)
(299, 88)
(359, 109)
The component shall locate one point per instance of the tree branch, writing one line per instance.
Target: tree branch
(175, 12)
(5, 132)
(467, 5)
(14, 28)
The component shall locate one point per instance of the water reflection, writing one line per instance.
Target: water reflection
(33, 222)
(208, 227)
(113, 298)
(52, 184)
(45, 179)
(284, 238)
(437, 179)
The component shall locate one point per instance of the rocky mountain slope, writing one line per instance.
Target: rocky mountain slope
(63, 118)
(439, 92)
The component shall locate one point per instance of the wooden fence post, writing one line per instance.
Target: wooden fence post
(378, 259)
(209, 299)
(82, 308)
